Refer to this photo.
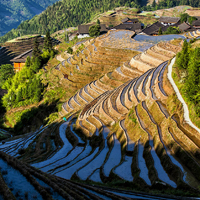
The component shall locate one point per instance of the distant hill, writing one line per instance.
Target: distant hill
(67, 13)
(70, 13)
(12, 13)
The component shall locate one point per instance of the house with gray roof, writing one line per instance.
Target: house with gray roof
(169, 20)
(196, 24)
(184, 27)
(83, 30)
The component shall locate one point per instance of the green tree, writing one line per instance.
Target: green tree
(192, 83)
(66, 37)
(36, 50)
(160, 31)
(154, 4)
(28, 61)
(183, 56)
(98, 21)
(69, 50)
(191, 19)
(184, 17)
(94, 30)
(6, 72)
(47, 42)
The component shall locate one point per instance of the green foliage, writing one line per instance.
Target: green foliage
(14, 12)
(6, 72)
(170, 3)
(66, 37)
(188, 62)
(191, 19)
(192, 82)
(154, 4)
(183, 57)
(98, 21)
(69, 50)
(48, 42)
(184, 17)
(160, 31)
(36, 50)
(64, 14)
(25, 87)
(172, 30)
(94, 30)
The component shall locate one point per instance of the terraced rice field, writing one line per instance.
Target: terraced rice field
(121, 130)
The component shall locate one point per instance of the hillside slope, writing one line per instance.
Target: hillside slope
(125, 129)
(65, 14)
(12, 13)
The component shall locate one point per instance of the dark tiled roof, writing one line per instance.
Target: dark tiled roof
(169, 19)
(22, 57)
(84, 29)
(125, 19)
(184, 26)
(196, 23)
(131, 27)
(153, 29)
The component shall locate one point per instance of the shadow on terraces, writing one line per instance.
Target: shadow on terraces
(34, 118)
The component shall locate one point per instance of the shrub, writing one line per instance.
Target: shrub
(69, 50)
(94, 30)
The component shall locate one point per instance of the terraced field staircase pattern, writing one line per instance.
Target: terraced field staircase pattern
(126, 132)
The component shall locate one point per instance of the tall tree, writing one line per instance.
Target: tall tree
(36, 50)
(6, 72)
(48, 42)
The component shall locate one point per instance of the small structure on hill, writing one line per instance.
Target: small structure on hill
(137, 27)
(129, 21)
(184, 27)
(153, 29)
(196, 24)
(83, 30)
(20, 60)
(129, 24)
(169, 20)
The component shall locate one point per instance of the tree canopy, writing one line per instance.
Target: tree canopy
(6, 72)
(94, 30)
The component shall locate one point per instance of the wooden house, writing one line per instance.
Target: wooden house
(83, 30)
(129, 21)
(137, 27)
(196, 24)
(169, 20)
(20, 60)
(153, 29)
(184, 27)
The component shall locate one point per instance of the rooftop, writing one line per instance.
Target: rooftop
(169, 19)
(196, 23)
(84, 29)
(153, 29)
(22, 57)
(184, 26)
(132, 27)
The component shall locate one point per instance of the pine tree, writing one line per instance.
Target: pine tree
(48, 42)
(160, 31)
(36, 50)
(28, 62)
(183, 56)
(154, 4)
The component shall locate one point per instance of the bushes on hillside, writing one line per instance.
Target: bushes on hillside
(188, 63)
(94, 30)
(6, 72)
(25, 86)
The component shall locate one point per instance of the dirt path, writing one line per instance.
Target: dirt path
(185, 107)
